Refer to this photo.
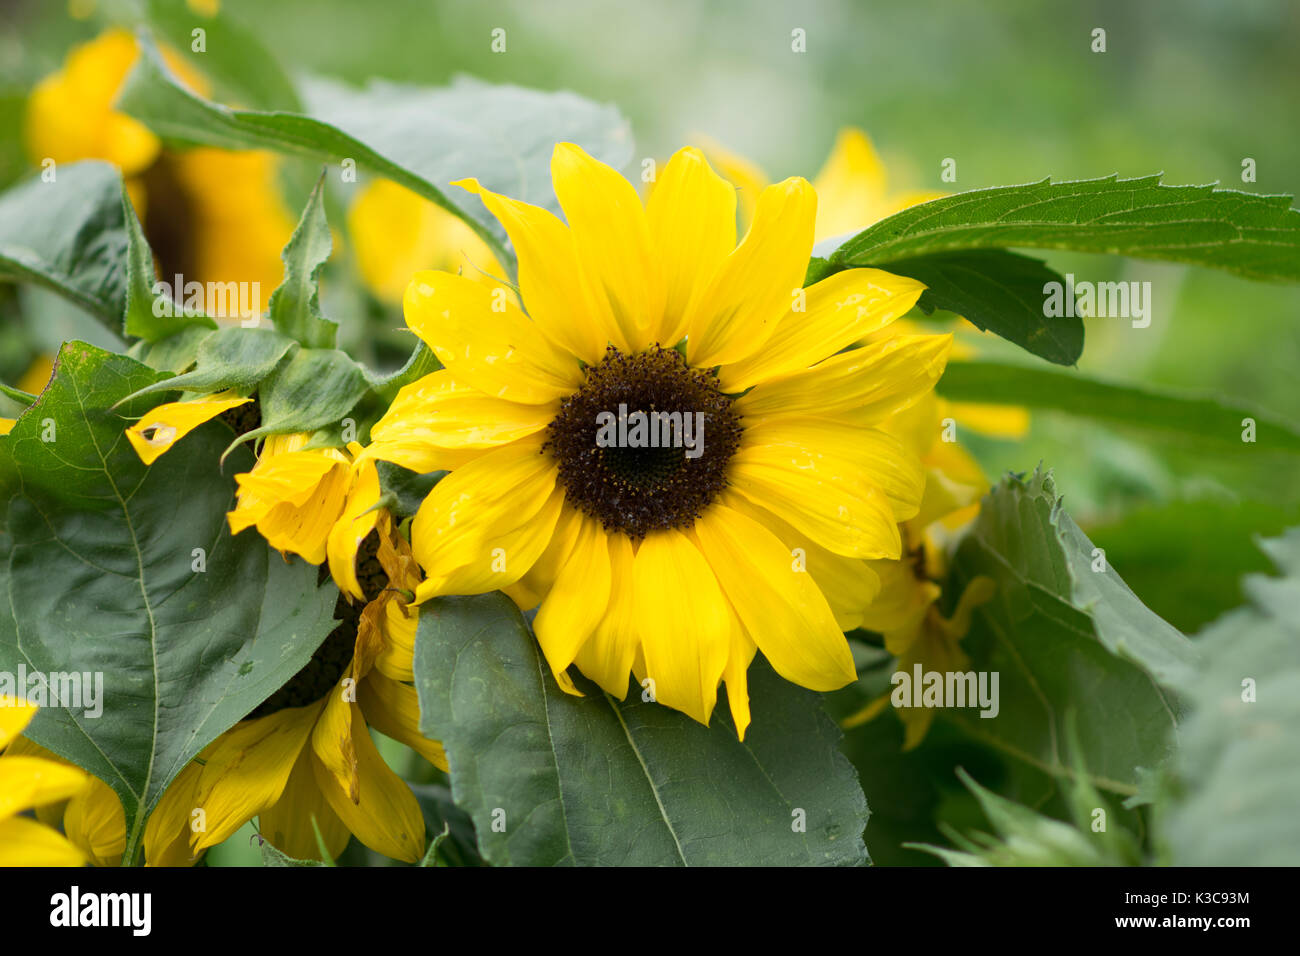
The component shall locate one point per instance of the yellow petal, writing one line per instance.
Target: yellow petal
(294, 499)
(611, 235)
(399, 626)
(899, 611)
(359, 518)
(838, 311)
(485, 341)
(538, 580)
(757, 283)
(248, 768)
(25, 842)
(393, 709)
(748, 178)
(15, 714)
(997, 421)
(851, 186)
(167, 831)
(607, 655)
(287, 823)
(577, 601)
(156, 432)
(782, 608)
(386, 816)
(27, 782)
(95, 821)
(333, 738)
(550, 280)
(864, 385)
(692, 215)
(684, 623)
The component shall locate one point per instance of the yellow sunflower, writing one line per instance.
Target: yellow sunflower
(30, 782)
(750, 526)
(211, 215)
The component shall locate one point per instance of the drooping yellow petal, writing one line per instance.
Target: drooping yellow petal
(611, 235)
(684, 623)
(333, 738)
(294, 498)
(393, 709)
(95, 821)
(736, 676)
(781, 607)
(863, 385)
(359, 518)
(27, 782)
(529, 590)
(287, 823)
(395, 658)
(248, 768)
(25, 842)
(485, 341)
(15, 714)
(550, 279)
(692, 215)
(385, 816)
(606, 656)
(758, 282)
(396, 233)
(167, 831)
(838, 311)
(156, 432)
(576, 602)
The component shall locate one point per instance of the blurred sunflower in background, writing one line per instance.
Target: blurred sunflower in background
(674, 568)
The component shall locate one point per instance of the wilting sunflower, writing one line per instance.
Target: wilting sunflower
(752, 529)
(30, 782)
(211, 215)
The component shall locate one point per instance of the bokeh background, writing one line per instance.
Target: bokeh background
(1011, 91)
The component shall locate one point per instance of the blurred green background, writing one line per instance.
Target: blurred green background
(1011, 91)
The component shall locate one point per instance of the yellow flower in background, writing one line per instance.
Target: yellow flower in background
(28, 782)
(396, 233)
(211, 215)
(155, 433)
(675, 567)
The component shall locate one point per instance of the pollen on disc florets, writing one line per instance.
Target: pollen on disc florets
(320, 674)
(633, 488)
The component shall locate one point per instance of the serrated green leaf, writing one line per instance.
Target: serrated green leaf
(1199, 419)
(68, 236)
(273, 857)
(421, 362)
(100, 575)
(175, 353)
(418, 137)
(1000, 292)
(590, 780)
(230, 358)
(295, 304)
(149, 316)
(1251, 235)
(313, 389)
(1232, 793)
(1063, 636)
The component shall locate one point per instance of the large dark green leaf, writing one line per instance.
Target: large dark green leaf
(1251, 235)
(68, 235)
(1232, 797)
(1065, 633)
(1187, 417)
(591, 780)
(99, 576)
(420, 138)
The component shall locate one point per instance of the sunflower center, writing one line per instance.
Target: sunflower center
(643, 444)
(320, 674)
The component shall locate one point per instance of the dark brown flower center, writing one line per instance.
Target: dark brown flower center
(643, 445)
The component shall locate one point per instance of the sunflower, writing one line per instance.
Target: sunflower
(211, 215)
(28, 782)
(672, 563)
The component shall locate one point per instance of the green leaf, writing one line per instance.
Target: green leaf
(407, 488)
(1194, 418)
(149, 316)
(273, 857)
(1251, 235)
(589, 780)
(295, 305)
(441, 815)
(68, 236)
(233, 57)
(421, 362)
(1232, 793)
(1063, 636)
(1000, 292)
(313, 389)
(420, 138)
(99, 569)
(235, 358)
